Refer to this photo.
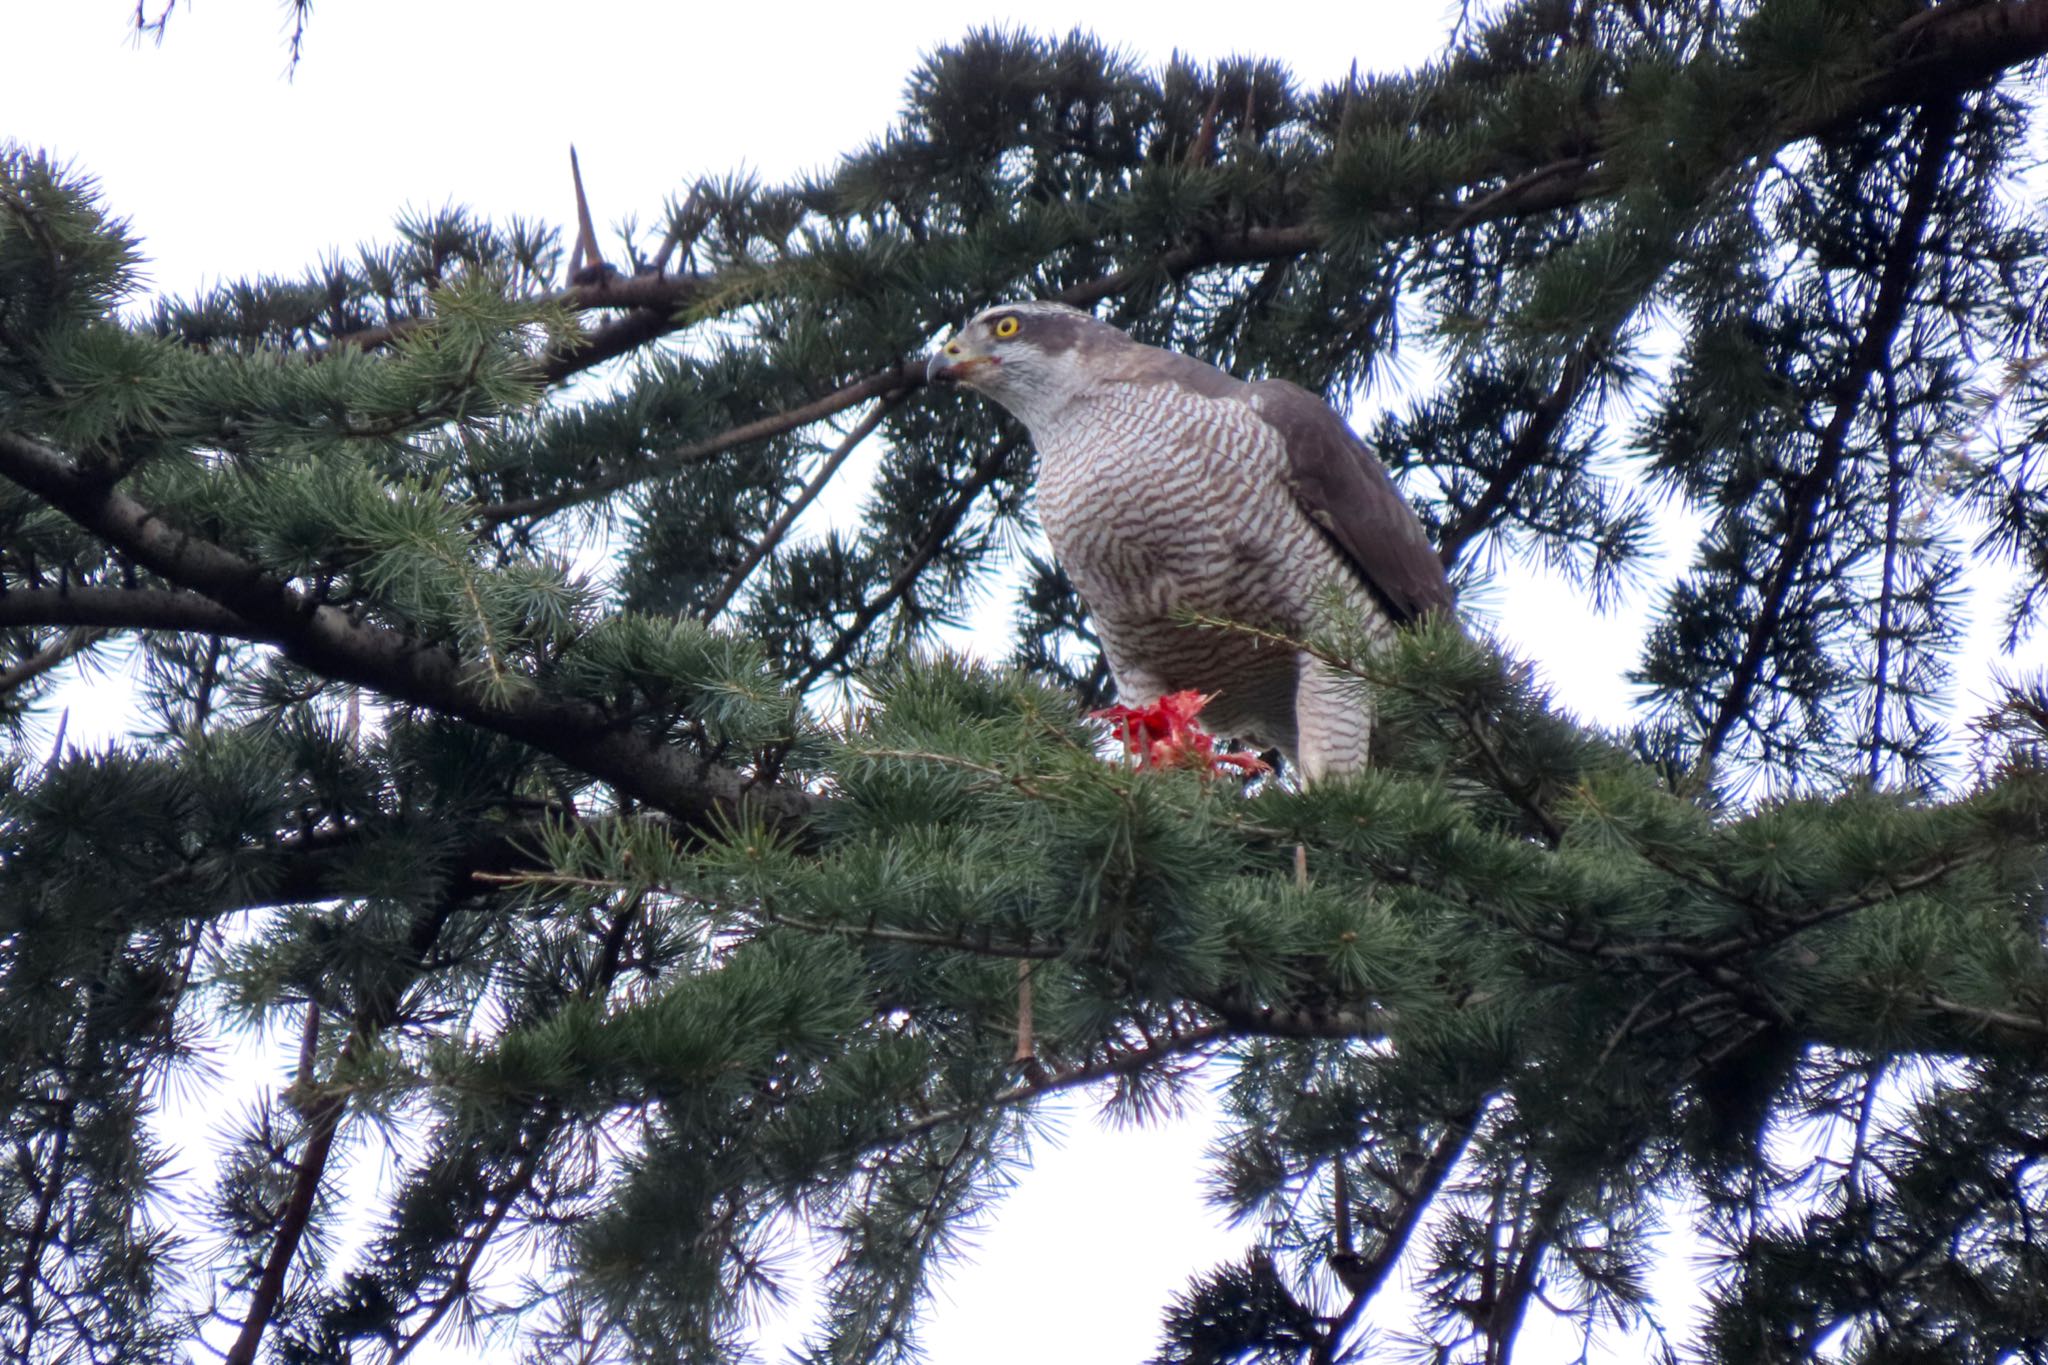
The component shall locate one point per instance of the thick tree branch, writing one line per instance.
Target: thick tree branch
(1363, 1276)
(323, 1118)
(334, 645)
(105, 608)
(1530, 1242)
(54, 1178)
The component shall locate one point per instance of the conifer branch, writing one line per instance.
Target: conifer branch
(548, 1123)
(983, 945)
(1364, 1276)
(1531, 445)
(1479, 732)
(1942, 50)
(53, 1183)
(931, 1224)
(1625, 1030)
(1528, 1243)
(73, 642)
(1112, 1062)
(1776, 929)
(943, 525)
(1807, 494)
(323, 1116)
(773, 536)
(336, 645)
(1296, 1020)
(2006, 1019)
(646, 299)
(1888, 571)
(323, 1119)
(1519, 934)
(326, 863)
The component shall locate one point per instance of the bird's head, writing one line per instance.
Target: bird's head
(1030, 357)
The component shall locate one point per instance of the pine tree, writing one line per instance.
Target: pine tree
(588, 894)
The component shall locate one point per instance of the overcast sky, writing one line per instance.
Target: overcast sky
(225, 169)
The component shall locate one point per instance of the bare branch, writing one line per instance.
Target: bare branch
(886, 384)
(772, 537)
(104, 608)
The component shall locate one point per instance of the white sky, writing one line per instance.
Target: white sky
(226, 170)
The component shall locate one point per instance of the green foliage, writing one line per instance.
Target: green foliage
(638, 882)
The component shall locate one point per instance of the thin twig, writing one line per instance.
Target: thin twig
(2002, 1018)
(1621, 1030)
(897, 379)
(773, 535)
(982, 946)
(1116, 1064)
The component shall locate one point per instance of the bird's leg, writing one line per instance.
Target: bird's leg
(1026, 1055)
(1333, 721)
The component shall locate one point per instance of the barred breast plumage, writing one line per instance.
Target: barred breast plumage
(1169, 488)
(1161, 506)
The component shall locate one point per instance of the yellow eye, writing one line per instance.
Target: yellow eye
(1008, 327)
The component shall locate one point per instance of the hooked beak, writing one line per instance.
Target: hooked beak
(957, 363)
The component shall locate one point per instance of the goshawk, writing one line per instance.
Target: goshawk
(1170, 489)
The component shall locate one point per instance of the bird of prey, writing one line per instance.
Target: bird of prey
(1170, 489)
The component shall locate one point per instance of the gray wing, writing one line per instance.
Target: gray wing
(1345, 491)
